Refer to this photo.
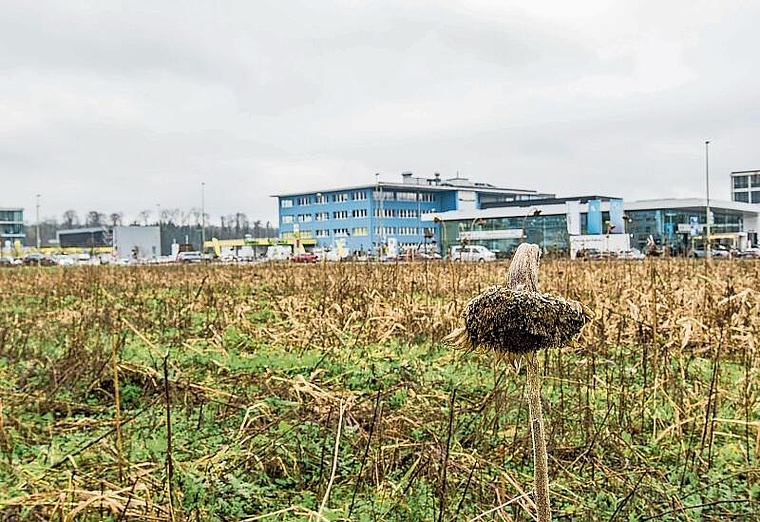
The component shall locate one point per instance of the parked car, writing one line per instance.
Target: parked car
(37, 259)
(306, 257)
(751, 253)
(189, 257)
(634, 253)
(9, 261)
(717, 251)
(472, 253)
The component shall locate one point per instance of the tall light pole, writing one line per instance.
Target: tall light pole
(203, 215)
(708, 249)
(38, 223)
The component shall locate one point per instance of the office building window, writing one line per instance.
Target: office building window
(755, 196)
(304, 218)
(741, 182)
(360, 231)
(383, 195)
(322, 233)
(359, 196)
(322, 216)
(340, 214)
(359, 213)
(742, 197)
(386, 212)
(320, 199)
(341, 197)
(287, 219)
(303, 200)
(286, 203)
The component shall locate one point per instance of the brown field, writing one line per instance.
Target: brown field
(284, 392)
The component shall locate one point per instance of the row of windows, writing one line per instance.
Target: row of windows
(747, 197)
(742, 182)
(11, 215)
(401, 231)
(359, 213)
(387, 195)
(358, 195)
(364, 231)
(322, 199)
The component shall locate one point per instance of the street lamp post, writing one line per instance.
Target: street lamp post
(708, 248)
(39, 243)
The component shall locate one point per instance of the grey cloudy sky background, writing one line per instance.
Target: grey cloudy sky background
(114, 107)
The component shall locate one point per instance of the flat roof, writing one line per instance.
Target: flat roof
(414, 187)
(544, 201)
(744, 171)
(553, 207)
(666, 203)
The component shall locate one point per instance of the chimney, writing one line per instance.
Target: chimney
(407, 177)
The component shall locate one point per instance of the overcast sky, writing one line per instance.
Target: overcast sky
(123, 106)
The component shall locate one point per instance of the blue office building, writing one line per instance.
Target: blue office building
(366, 217)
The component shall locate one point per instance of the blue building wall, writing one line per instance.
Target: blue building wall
(364, 217)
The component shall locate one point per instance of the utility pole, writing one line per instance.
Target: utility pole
(708, 247)
(38, 223)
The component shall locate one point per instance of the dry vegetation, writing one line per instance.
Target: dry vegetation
(280, 392)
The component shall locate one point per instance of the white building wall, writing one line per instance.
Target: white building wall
(147, 241)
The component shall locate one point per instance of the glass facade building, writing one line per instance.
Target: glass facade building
(745, 186)
(671, 223)
(11, 225)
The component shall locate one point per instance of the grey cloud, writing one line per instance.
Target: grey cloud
(136, 104)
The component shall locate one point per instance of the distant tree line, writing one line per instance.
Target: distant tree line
(173, 222)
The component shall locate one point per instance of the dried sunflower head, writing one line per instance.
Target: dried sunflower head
(518, 321)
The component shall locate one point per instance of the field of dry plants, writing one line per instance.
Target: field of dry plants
(283, 392)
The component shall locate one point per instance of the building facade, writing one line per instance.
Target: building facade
(368, 217)
(554, 223)
(745, 186)
(11, 226)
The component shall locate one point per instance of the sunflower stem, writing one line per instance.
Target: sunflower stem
(540, 458)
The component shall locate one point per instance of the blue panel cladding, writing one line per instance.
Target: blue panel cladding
(594, 217)
(447, 201)
(616, 216)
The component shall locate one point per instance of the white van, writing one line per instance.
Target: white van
(472, 253)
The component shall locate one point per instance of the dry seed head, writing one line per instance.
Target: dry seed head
(518, 321)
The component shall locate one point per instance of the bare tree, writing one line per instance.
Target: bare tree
(240, 222)
(95, 218)
(256, 228)
(70, 218)
(143, 216)
(116, 218)
(195, 212)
